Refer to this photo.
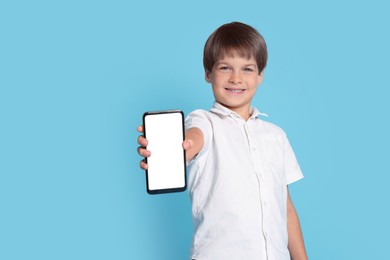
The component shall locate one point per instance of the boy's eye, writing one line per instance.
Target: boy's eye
(248, 69)
(224, 68)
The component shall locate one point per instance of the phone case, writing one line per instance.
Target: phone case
(166, 166)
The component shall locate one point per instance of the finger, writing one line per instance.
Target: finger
(143, 165)
(142, 141)
(143, 152)
(140, 128)
(186, 144)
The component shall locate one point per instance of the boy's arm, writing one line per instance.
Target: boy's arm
(193, 143)
(296, 245)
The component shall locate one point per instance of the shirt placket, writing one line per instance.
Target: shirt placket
(258, 169)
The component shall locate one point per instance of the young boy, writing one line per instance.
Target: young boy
(239, 166)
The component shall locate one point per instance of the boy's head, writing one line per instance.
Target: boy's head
(235, 39)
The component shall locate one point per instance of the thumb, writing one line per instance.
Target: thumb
(187, 144)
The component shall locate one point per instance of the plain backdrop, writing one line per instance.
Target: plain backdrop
(76, 77)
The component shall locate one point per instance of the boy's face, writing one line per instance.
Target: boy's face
(234, 80)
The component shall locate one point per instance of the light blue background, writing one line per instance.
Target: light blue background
(76, 77)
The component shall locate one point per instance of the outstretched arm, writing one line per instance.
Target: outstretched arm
(296, 245)
(193, 144)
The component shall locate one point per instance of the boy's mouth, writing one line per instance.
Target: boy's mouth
(235, 90)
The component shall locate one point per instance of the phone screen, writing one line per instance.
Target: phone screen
(166, 165)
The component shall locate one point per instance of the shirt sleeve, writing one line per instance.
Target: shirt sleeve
(291, 166)
(199, 119)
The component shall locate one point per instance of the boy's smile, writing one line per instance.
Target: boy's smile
(238, 91)
(234, 80)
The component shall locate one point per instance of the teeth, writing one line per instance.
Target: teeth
(235, 90)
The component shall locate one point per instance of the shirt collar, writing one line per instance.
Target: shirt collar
(224, 111)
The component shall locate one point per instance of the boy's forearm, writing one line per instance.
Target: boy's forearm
(194, 136)
(296, 244)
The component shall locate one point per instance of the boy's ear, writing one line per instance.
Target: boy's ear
(260, 78)
(207, 76)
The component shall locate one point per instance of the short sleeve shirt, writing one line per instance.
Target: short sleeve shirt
(238, 186)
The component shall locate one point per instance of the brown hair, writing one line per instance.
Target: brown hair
(235, 38)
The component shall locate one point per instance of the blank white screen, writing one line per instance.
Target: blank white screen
(166, 165)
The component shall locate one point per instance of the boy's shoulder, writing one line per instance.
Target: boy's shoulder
(200, 113)
(210, 115)
(271, 127)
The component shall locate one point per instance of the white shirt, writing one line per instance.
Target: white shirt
(238, 187)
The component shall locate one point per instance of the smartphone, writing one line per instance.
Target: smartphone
(166, 171)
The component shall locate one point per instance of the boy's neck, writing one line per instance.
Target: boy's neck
(244, 112)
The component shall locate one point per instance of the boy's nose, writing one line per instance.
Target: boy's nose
(235, 78)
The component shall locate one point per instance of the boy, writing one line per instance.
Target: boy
(239, 166)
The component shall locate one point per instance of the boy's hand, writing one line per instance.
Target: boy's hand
(192, 144)
(143, 142)
(187, 144)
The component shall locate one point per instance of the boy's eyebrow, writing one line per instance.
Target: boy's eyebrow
(251, 64)
(227, 63)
